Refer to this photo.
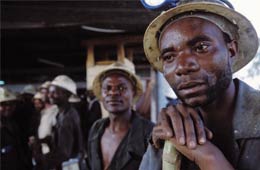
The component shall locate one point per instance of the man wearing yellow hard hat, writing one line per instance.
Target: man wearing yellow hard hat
(119, 141)
(198, 45)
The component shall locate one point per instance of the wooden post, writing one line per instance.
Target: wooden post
(90, 56)
(130, 54)
(120, 52)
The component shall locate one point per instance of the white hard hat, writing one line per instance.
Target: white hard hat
(66, 83)
(6, 95)
(74, 99)
(39, 96)
(45, 85)
(29, 89)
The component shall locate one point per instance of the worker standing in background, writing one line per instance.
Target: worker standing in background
(67, 137)
(119, 141)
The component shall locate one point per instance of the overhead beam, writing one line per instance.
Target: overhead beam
(113, 40)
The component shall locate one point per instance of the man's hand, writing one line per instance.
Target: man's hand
(206, 156)
(182, 122)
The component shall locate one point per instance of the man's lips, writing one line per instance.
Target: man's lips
(189, 85)
(191, 89)
(113, 101)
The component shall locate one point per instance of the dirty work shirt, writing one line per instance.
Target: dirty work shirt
(129, 152)
(47, 123)
(246, 125)
(68, 141)
(14, 153)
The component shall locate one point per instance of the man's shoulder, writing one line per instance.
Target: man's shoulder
(97, 129)
(71, 117)
(143, 121)
(142, 127)
(247, 111)
(99, 122)
(98, 125)
(51, 109)
(248, 96)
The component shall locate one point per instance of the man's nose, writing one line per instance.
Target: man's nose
(186, 63)
(114, 90)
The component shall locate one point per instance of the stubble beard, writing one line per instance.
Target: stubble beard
(216, 87)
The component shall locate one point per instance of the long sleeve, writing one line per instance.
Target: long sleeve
(152, 159)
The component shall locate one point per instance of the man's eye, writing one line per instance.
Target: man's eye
(118, 88)
(201, 47)
(167, 58)
(121, 88)
(107, 88)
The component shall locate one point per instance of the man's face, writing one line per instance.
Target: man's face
(117, 93)
(45, 93)
(27, 98)
(7, 108)
(196, 60)
(38, 105)
(57, 95)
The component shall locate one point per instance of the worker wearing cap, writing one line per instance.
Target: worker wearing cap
(44, 90)
(41, 142)
(67, 137)
(35, 118)
(38, 101)
(197, 46)
(48, 115)
(119, 141)
(14, 149)
(26, 110)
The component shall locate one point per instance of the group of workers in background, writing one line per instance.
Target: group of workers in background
(214, 124)
(56, 134)
(42, 128)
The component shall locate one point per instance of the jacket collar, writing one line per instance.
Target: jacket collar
(135, 139)
(135, 147)
(95, 144)
(246, 120)
(134, 142)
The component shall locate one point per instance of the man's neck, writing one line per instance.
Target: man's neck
(63, 106)
(218, 118)
(120, 122)
(222, 108)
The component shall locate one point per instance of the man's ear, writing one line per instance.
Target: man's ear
(232, 48)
